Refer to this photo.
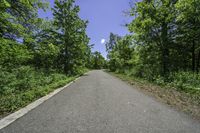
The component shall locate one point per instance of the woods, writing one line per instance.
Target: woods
(38, 55)
(163, 46)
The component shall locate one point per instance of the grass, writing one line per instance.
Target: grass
(24, 85)
(185, 100)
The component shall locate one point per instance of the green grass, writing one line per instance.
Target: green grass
(23, 85)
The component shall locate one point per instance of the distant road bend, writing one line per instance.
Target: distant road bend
(101, 103)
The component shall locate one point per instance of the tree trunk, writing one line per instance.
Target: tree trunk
(165, 61)
(165, 50)
(198, 62)
(66, 61)
(193, 56)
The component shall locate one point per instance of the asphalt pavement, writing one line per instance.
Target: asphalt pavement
(101, 103)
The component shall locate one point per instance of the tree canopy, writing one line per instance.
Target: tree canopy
(164, 39)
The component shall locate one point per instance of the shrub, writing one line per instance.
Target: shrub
(185, 80)
(22, 85)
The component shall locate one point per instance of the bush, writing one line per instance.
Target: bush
(22, 85)
(187, 81)
(18, 79)
(13, 54)
(160, 80)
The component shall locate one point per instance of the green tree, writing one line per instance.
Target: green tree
(188, 19)
(121, 54)
(18, 17)
(17, 21)
(98, 61)
(154, 25)
(71, 35)
(113, 38)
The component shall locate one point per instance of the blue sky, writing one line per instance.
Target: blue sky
(104, 16)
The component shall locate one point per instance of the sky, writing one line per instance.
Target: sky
(104, 16)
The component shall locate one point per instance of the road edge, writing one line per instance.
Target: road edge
(4, 122)
(162, 95)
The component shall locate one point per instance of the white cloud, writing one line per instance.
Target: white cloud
(103, 41)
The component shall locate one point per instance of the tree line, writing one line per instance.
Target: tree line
(59, 44)
(38, 55)
(163, 43)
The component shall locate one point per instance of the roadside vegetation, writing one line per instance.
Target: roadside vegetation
(180, 100)
(38, 55)
(21, 86)
(163, 47)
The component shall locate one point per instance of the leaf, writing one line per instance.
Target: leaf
(7, 4)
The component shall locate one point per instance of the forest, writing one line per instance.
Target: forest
(163, 46)
(38, 55)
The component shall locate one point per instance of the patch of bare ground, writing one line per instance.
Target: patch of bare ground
(182, 101)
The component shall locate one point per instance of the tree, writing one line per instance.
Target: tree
(113, 38)
(71, 35)
(17, 22)
(121, 53)
(154, 25)
(188, 20)
(98, 61)
(164, 39)
(18, 17)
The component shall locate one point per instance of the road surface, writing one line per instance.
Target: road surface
(101, 103)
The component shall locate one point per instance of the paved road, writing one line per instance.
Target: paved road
(100, 103)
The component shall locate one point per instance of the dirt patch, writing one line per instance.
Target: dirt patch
(180, 100)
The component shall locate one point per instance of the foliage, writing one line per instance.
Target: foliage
(97, 61)
(45, 55)
(71, 35)
(121, 54)
(163, 46)
(185, 81)
(36, 54)
(23, 85)
(13, 54)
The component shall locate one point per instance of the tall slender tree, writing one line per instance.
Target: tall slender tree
(71, 35)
